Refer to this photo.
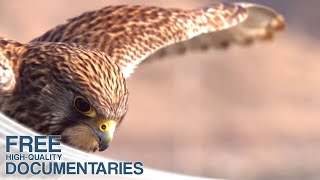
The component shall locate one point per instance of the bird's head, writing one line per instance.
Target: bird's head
(77, 93)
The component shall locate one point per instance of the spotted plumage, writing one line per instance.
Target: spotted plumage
(71, 80)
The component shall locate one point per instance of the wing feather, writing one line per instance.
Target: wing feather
(261, 24)
(130, 34)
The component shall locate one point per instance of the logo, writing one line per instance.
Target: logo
(43, 155)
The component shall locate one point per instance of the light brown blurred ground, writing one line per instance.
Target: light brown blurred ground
(244, 113)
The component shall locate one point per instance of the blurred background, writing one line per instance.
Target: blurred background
(241, 113)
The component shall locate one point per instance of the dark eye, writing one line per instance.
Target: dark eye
(83, 106)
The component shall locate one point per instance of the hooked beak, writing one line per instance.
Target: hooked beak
(105, 133)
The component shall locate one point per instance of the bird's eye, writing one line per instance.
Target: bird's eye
(83, 106)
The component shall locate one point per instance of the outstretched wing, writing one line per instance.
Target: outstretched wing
(130, 34)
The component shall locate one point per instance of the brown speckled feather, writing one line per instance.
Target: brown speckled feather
(9, 55)
(48, 76)
(130, 34)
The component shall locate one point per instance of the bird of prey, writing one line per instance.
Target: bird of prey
(71, 81)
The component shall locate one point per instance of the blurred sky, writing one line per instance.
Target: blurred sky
(243, 113)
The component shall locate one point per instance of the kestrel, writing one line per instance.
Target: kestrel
(71, 81)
